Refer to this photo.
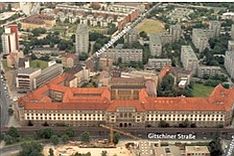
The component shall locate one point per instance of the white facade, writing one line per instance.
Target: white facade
(200, 39)
(155, 45)
(215, 26)
(232, 31)
(229, 63)
(158, 63)
(82, 39)
(189, 59)
(175, 31)
(9, 43)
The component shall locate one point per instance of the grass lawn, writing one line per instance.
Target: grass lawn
(150, 26)
(38, 64)
(200, 90)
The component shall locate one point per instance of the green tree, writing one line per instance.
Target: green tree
(85, 137)
(13, 132)
(51, 152)
(166, 86)
(215, 147)
(45, 133)
(38, 31)
(10, 111)
(143, 34)
(31, 149)
(184, 124)
(116, 138)
(54, 139)
(163, 124)
(83, 56)
(9, 7)
(65, 138)
(119, 60)
(104, 153)
(9, 139)
(70, 132)
(112, 28)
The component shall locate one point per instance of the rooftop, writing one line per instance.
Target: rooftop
(187, 50)
(197, 149)
(27, 70)
(221, 99)
(155, 38)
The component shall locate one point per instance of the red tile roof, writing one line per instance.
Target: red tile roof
(221, 99)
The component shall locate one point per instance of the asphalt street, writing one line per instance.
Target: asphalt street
(4, 102)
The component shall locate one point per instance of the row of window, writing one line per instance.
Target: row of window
(37, 114)
(184, 115)
(182, 119)
(63, 118)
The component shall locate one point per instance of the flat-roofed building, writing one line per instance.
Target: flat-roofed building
(155, 45)
(165, 37)
(176, 32)
(197, 150)
(126, 55)
(208, 71)
(131, 37)
(200, 39)
(189, 59)
(45, 51)
(215, 26)
(158, 63)
(232, 31)
(229, 63)
(82, 39)
(230, 45)
(10, 39)
(25, 78)
(48, 74)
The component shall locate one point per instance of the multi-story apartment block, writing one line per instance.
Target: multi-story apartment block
(208, 70)
(230, 45)
(155, 45)
(165, 38)
(189, 59)
(29, 8)
(82, 39)
(200, 39)
(131, 37)
(54, 103)
(229, 63)
(158, 63)
(25, 79)
(121, 14)
(10, 39)
(126, 55)
(175, 31)
(232, 32)
(215, 26)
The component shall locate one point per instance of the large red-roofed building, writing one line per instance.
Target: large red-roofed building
(55, 103)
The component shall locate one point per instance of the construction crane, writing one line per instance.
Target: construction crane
(112, 130)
